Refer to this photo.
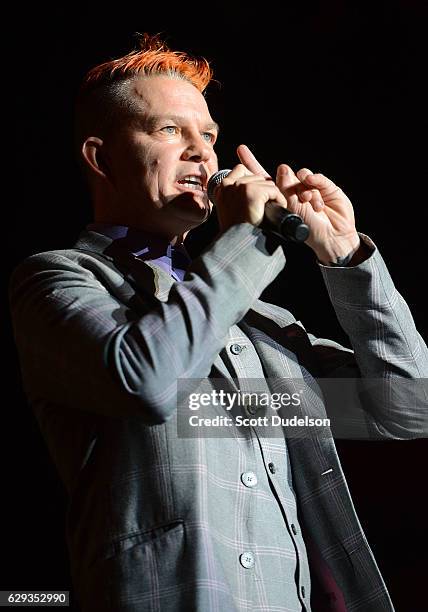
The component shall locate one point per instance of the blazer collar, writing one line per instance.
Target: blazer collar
(143, 274)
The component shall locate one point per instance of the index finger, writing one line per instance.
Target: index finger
(247, 158)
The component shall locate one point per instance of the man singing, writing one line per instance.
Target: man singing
(105, 330)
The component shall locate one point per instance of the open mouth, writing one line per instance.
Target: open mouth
(192, 182)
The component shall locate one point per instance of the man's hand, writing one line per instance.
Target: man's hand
(322, 205)
(242, 197)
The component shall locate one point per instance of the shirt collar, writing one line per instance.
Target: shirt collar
(144, 245)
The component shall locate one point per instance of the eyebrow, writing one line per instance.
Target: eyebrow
(155, 119)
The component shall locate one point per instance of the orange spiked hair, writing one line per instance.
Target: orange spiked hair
(153, 57)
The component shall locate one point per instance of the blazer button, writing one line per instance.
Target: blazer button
(251, 409)
(249, 479)
(272, 468)
(236, 349)
(247, 560)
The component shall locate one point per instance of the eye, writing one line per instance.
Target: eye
(170, 129)
(209, 136)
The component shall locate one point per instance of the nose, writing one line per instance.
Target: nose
(197, 149)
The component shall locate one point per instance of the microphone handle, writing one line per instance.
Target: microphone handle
(284, 223)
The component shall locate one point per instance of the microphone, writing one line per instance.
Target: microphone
(277, 219)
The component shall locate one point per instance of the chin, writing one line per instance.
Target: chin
(191, 206)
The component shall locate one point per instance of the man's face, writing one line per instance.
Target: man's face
(170, 138)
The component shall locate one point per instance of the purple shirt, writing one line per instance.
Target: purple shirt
(148, 247)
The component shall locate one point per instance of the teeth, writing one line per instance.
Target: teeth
(198, 187)
(191, 177)
(192, 182)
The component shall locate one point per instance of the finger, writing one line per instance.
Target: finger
(290, 185)
(238, 172)
(285, 177)
(269, 193)
(276, 196)
(318, 181)
(258, 184)
(312, 195)
(248, 159)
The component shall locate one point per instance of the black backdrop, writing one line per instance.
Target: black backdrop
(337, 87)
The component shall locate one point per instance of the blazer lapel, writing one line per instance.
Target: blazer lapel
(149, 277)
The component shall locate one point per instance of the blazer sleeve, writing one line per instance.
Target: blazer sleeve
(383, 391)
(80, 347)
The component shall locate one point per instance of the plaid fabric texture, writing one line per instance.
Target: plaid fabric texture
(157, 522)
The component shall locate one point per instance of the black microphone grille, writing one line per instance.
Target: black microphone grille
(215, 180)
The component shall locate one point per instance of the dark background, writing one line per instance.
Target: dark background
(337, 87)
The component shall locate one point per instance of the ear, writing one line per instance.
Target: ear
(94, 156)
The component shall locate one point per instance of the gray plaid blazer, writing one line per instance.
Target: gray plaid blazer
(157, 522)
